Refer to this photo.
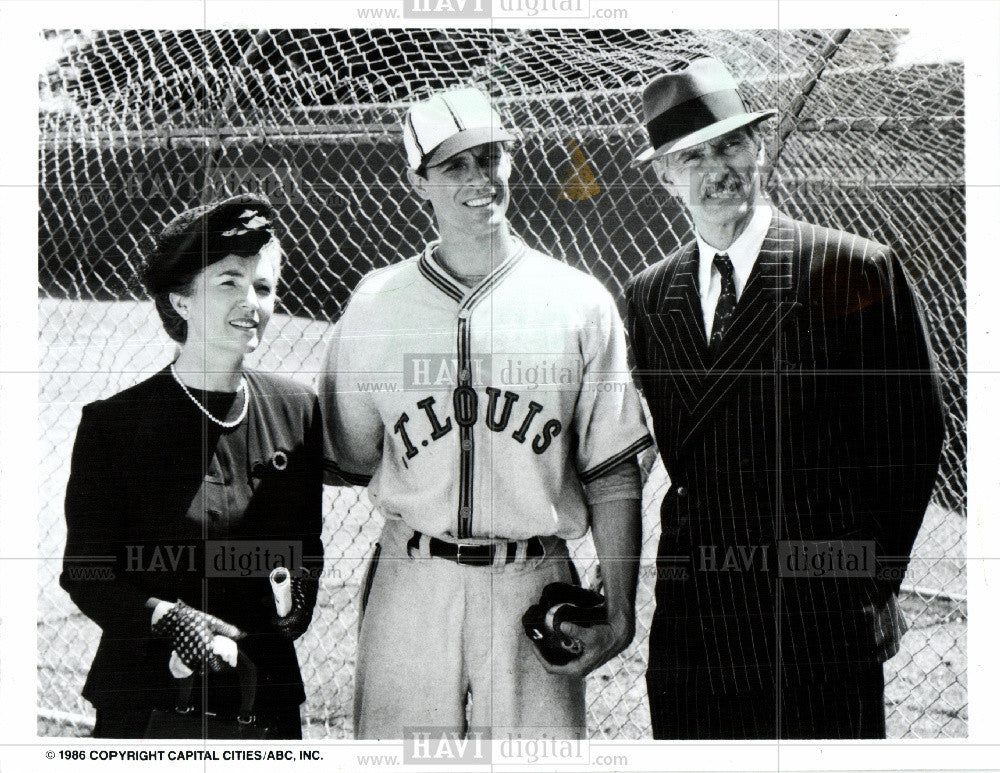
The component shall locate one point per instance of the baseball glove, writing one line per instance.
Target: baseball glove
(561, 602)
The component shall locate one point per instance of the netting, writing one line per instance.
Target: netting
(137, 125)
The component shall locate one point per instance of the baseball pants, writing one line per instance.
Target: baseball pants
(441, 645)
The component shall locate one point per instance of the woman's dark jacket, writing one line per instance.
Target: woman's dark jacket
(163, 503)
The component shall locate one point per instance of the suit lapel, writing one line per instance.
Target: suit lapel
(684, 329)
(766, 300)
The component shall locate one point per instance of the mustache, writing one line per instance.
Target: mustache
(722, 184)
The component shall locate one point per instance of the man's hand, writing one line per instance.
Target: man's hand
(617, 530)
(601, 643)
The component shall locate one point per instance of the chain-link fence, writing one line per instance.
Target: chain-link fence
(136, 126)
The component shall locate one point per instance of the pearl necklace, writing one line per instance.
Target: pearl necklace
(204, 410)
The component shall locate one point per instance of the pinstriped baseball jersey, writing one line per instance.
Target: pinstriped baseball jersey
(480, 412)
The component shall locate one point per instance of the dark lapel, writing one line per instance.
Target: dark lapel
(765, 302)
(684, 328)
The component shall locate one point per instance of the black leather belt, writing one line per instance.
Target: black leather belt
(475, 555)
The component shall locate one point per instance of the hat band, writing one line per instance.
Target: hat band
(694, 114)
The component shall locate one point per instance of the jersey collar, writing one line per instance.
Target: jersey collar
(435, 273)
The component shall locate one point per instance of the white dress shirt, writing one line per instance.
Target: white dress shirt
(743, 254)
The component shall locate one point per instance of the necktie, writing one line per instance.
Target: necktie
(727, 302)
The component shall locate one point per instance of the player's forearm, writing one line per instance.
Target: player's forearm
(617, 532)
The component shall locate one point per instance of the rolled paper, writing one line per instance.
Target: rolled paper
(281, 586)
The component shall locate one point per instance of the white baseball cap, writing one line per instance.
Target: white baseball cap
(449, 122)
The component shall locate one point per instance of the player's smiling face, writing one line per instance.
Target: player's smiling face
(231, 302)
(718, 181)
(469, 191)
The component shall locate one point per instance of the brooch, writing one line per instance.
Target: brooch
(277, 463)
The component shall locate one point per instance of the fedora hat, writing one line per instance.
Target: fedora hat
(687, 107)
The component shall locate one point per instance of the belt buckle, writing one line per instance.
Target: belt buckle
(473, 559)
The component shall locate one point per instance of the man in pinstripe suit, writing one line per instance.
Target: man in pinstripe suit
(797, 410)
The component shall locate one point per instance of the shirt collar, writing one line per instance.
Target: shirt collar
(742, 252)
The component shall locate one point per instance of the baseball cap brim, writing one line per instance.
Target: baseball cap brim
(706, 133)
(469, 138)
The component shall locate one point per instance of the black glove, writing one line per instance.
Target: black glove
(294, 624)
(561, 602)
(191, 631)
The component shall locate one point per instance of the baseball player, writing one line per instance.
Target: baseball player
(480, 389)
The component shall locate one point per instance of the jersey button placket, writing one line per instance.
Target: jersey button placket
(461, 406)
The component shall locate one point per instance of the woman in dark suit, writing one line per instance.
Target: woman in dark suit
(192, 485)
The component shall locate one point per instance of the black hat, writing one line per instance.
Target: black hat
(687, 107)
(239, 225)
